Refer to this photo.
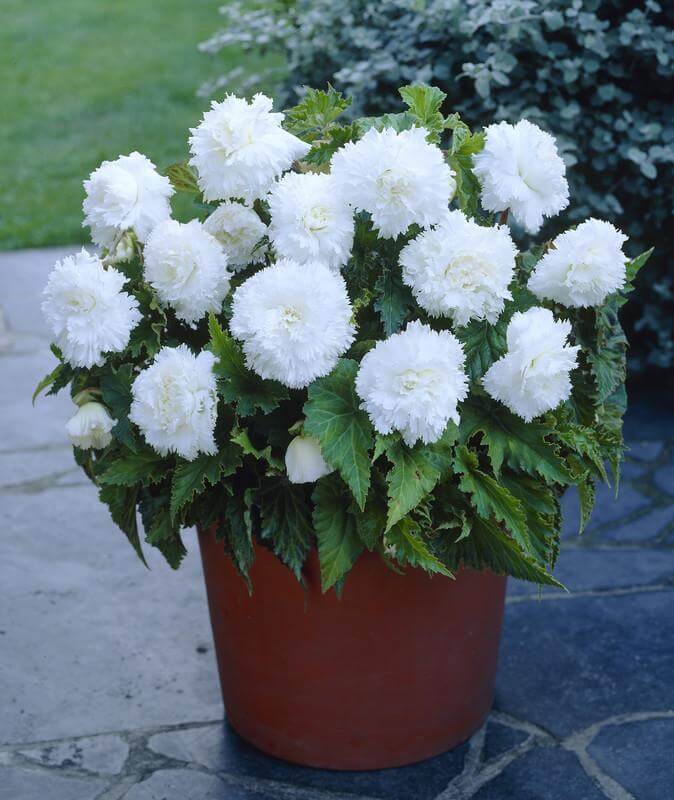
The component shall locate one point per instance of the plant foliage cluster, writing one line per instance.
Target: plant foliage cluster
(593, 72)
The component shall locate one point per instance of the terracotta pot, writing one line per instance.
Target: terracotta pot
(399, 669)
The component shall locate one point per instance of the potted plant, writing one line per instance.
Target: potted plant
(369, 403)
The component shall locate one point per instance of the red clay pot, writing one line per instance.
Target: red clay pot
(399, 669)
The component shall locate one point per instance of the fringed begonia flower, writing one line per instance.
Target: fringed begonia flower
(399, 178)
(175, 402)
(310, 221)
(294, 321)
(412, 382)
(534, 375)
(87, 310)
(583, 267)
(304, 460)
(460, 269)
(239, 148)
(89, 428)
(124, 194)
(521, 170)
(239, 230)
(187, 267)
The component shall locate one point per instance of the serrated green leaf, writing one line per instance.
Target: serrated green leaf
(339, 543)
(410, 549)
(240, 437)
(48, 380)
(236, 383)
(315, 113)
(116, 389)
(121, 501)
(333, 416)
(143, 467)
(523, 445)
(371, 522)
(286, 523)
(191, 477)
(415, 472)
(183, 178)
(490, 498)
(236, 527)
(424, 103)
(399, 122)
(393, 300)
(489, 548)
(632, 268)
(160, 530)
(483, 344)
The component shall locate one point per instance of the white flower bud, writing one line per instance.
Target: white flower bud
(90, 427)
(304, 460)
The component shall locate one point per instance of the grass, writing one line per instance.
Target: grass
(85, 80)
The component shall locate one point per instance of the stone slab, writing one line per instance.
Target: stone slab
(29, 784)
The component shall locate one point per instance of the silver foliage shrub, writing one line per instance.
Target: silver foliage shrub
(593, 72)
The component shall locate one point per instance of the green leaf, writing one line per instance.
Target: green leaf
(632, 269)
(116, 389)
(489, 548)
(399, 122)
(483, 344)
(490, 498)
(191, 477)
(183, 178)
(49, 379)
(333, 139)
(286, 523)
(393, 299)
(236, 527)
(522, 445)
(371, 522)
(315, 113)
(129, 468)
(424, 103)
(236, 383)
(586, 496)
(160, 530)
(608, 357)
(415, 472)
(333, 416)
(339, 543)
(240, 437)
(121, 501)
(409, 548)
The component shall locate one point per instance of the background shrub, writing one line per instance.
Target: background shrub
(593, 72)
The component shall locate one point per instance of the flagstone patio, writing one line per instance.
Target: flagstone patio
(107, 673)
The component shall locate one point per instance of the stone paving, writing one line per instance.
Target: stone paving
(107, 673)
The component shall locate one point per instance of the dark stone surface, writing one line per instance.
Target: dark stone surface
(500, 738)
(186, 784)
(542, 774)
(218, 748)
(639, 755)
(567, 664)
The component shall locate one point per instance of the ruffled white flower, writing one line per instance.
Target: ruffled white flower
(412, 382)
(187, 267)
(293, 320)
(175, 402)
(239, 230)
(123, 194)
(521, 170)
(583, 267)
(400, 178)
(87, 310)
(89, 428)
(460, 269)
(533, 376)
(310, 221)
(239, 149)
(304, 460)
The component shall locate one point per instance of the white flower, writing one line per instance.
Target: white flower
(89, 428)
(412, 382)
(175, 402)
(398, 177)
(521, 170)
(294, 321)
(187, 268)
(460, 269)
(238, 229)
(239, 149)
(87, 310)
(583, 267)
(310, 221)
(533, 376)
(304, 460)
(125, 193)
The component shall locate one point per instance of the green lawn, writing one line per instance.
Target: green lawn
(85, 80)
